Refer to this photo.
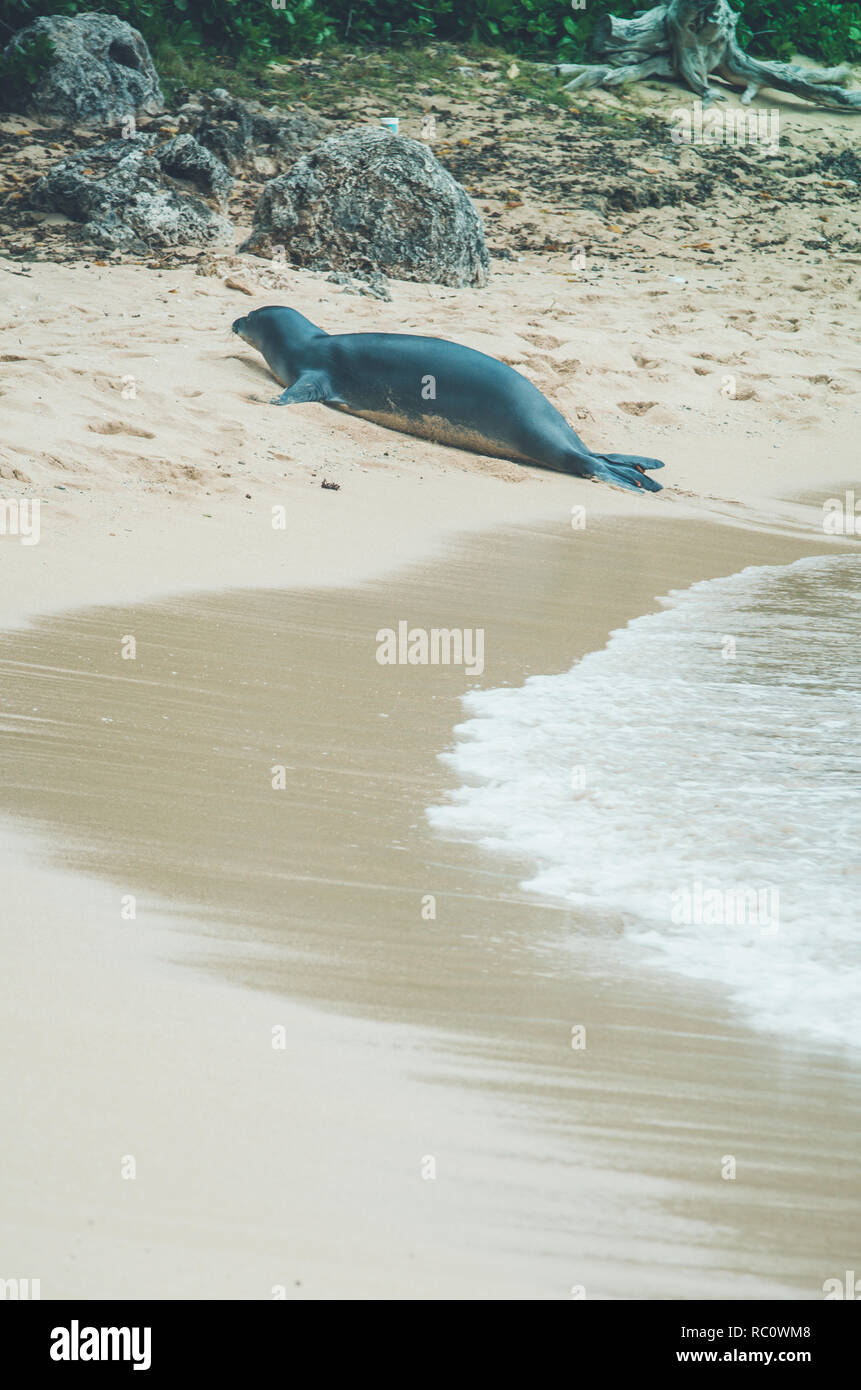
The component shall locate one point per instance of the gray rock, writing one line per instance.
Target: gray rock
(292, 133)
(237, 131)
(376, 285)
(118, 190)
(184, 158)
(163, 218)
(373, 284)
(228, 140)
(372, 201)
(99, 179)
(113, 234)
(102, 73)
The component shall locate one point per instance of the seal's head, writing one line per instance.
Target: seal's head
(282, 336)
(275, 320)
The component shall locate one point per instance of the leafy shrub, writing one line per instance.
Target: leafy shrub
(829, 30)
(20, 68)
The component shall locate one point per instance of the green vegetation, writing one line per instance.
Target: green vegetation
(187, 36)
(20, 68)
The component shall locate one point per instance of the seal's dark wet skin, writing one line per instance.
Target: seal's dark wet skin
(433, 388)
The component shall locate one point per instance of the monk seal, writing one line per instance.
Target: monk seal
(433, 388)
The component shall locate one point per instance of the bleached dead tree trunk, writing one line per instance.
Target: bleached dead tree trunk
(692, 39)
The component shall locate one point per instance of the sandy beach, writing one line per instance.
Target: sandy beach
(324, 1092)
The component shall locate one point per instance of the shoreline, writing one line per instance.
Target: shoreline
(418, 1053)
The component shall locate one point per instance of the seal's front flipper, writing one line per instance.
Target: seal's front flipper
(310, 386)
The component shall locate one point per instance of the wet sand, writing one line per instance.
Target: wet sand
(407, 1039)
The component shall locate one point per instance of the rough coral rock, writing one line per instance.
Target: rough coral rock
(123, 194)
(239, 131)
(102, 70)
(370, 200)
(185, 158)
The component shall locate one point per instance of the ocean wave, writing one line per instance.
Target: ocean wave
(699, 778)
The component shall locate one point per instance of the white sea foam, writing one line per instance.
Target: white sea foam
(703, 778)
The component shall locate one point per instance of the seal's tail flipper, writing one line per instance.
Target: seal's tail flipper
(625, 470)
(633, 478)
(632, 460)
(629, 470)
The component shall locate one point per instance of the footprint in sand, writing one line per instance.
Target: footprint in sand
(118, 427)
(542, 340)
(636, 407)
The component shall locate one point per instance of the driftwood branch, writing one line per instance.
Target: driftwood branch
(691, 40)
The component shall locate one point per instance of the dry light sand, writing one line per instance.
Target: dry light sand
(129, 410)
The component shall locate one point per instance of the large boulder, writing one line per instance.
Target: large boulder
(125, 193)
(372, 200)
(102, 71)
